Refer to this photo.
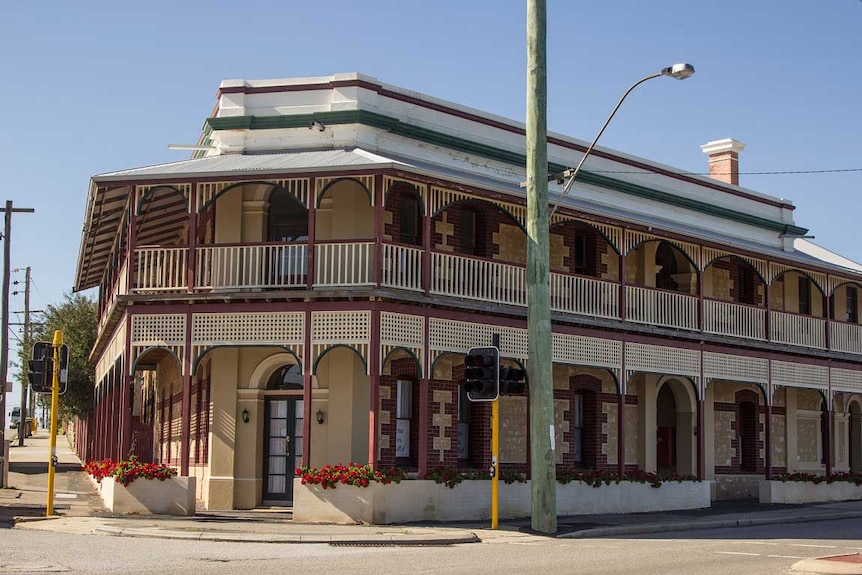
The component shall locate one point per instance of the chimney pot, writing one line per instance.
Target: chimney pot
(724, 159)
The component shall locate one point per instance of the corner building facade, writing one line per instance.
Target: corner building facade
(303, 291)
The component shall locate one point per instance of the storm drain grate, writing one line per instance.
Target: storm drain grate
(389, 544)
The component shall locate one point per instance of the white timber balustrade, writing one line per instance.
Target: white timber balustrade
(734, 319)
(343, 264)
(795, 329)
(474, 278)
(585, 296)
(160, 269)
(846, 337)
(402, 267)
(657, 307)
(116, 288)
(251, 266)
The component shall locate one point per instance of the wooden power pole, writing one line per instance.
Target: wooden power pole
(543, 476)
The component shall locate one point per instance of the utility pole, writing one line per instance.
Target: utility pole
(25, 411)
(543, 475)
(4, 311)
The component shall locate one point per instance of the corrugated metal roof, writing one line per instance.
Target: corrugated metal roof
(251, 163)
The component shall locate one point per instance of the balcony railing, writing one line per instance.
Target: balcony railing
(474, 278)
(343, 264)
(278, 266)
(664, 308)
(160, 269)
(846, 337)
(733, 319)
(402, 267)
(795, 329)
(347, 264)
(585, 296)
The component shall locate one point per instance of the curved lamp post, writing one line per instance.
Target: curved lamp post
(678, 71)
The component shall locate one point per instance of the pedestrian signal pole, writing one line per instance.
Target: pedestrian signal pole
(55, 400)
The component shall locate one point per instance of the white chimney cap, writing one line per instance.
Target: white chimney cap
(725, 145)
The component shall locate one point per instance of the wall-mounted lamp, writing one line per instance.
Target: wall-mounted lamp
(245, 416)
(320, 417)
(315, 125)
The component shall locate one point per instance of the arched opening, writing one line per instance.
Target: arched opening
(580, 249)
(844, 303)
(282, 431)
(404, 211)
(855, 445)
(399, 410)
(675, 425)
(794, 292)
(662, 265)
(733, 279)
(344, 212)
(480, 229)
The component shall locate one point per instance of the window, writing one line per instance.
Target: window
(580, 254)
(468, 232)
(578, 428)
(665, 261)
(403, 407)
(288, 377)
(745, 287)
(409, 219)
(463, 424)
(804, 296)
(852, 305)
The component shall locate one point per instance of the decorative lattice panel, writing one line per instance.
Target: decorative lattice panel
(367, 181)
(112, 352)
(350, 328)
(660, 359)
(247, 329)
(800, 375)
(458, 336)
(846, 380)
(401, 330)
(166, 331)
(776, 270)
(635, 238)
(580, 350)
(712, 254)
(735, 367)
(184, 189)
(442, 197)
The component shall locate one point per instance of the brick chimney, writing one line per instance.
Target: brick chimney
(724, 159)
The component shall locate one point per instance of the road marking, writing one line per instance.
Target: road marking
(738, 553)
(807, 545)
(786, 557)
(758, 543)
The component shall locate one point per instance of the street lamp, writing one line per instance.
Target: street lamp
(678, 71)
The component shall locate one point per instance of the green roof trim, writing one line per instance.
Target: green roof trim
(400, 128)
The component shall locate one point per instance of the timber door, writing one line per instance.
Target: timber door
(283, 448)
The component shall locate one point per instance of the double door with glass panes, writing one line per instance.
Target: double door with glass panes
(283, 447)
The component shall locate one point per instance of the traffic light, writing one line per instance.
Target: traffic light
(41, 374)
(482, 373)
(512, 381)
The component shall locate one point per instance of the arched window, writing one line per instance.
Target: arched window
(285, 378)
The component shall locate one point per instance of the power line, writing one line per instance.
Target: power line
(764, 173)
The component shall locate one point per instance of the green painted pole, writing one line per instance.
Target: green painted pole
(543, 476)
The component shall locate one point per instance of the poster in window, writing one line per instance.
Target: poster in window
(402, 438)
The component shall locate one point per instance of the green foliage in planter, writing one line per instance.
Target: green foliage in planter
(597, 478)
(854, 478)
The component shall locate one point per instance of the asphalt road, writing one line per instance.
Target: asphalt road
(748, 551)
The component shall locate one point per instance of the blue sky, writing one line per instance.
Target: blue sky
(89, 87)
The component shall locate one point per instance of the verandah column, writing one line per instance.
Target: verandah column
(306, 392)
(185, 442)
(374, 391)
(125, 392)
(378, 230)
(191, 260)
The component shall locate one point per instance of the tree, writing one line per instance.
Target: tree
(77, 317)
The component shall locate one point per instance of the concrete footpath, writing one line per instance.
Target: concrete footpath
(79, 510)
